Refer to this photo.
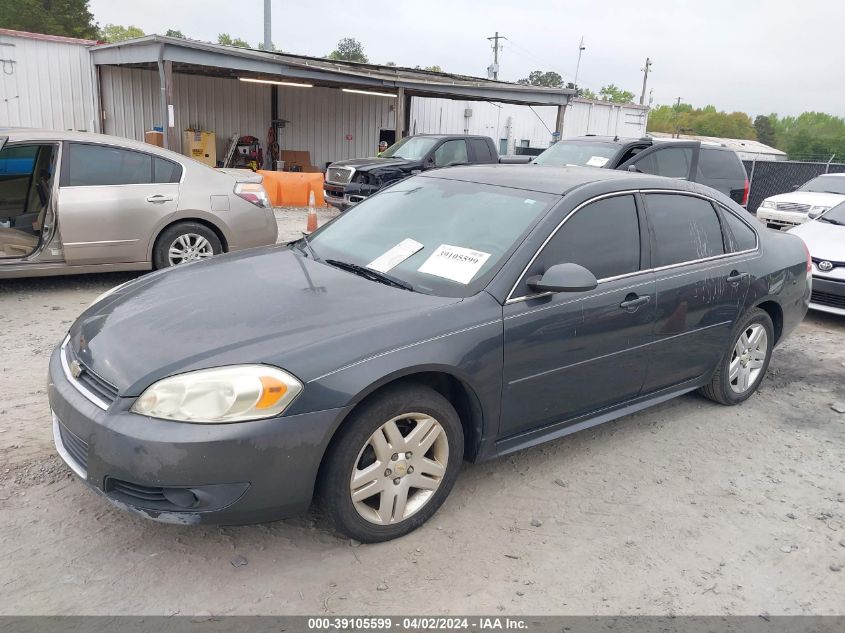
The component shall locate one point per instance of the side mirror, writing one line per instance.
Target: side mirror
(564, 278)
(814, 213)
(634, 169)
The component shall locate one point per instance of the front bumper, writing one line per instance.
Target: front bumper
(780, 219)
(175, 472)
(828, 295)
(344, 196)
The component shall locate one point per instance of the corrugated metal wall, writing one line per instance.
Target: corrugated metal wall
(46, 84)
(518, 124)
(332, 124)
(222, 106)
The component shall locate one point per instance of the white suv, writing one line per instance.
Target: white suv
(791, 209)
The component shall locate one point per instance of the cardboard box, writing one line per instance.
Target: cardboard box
(298, 159)
(201, 146)
(154, 137)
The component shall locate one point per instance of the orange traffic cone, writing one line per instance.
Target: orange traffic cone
(312, 213)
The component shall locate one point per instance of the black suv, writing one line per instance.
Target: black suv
(710, 164)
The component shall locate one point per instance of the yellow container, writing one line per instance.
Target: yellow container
(201, 146)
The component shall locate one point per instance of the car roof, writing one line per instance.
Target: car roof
(556, 180)
(839, 175)
(22, 134)
(618, 140)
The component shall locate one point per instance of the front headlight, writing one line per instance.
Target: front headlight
(223, 394)
(819, 209)
(767, 204)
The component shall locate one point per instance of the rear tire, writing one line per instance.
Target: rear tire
(743, 367)
(185, 242)
(392, 464)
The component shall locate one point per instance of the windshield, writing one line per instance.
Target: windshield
(836, 215)
(443, 237)
(410, 148)
(581, 153)
(825, 184)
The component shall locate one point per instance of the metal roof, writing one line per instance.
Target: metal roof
(194, 57)
(736, 144)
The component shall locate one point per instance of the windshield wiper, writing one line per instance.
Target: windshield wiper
(308, 247)
(830, 221)
(372, 275)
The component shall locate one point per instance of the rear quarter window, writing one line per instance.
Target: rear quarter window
(481, 149)
(745, 238)
(716, 164)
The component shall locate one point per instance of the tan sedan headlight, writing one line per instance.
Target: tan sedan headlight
(220, 395)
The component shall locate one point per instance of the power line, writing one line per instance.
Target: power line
(495, 67)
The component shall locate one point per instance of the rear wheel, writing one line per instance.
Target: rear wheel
(392, 464)
(743, 367)
(185, 242)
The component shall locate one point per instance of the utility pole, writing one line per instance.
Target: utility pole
(268, 38)
(645, 70)
(677, 125)
(494, 69)
(581, 49)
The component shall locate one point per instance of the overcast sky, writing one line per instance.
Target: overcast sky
(757, 56)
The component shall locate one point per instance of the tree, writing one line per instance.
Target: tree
(175, 33)
(228, 40)
(706, 121)
(118, 33)
(389, 63)
(547, 79)
(616, 95)
(349, 49)
(70, 18)
(765, 130)
(433, 69)
(810, 136)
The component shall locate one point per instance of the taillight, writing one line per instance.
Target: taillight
(745, 194)
(252, 192)
(809, 258)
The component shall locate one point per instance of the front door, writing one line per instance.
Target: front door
(567, 354)
(673, 160)
(110, 201)
(700, 285)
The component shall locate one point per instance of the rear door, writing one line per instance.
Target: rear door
(482, 152)
(721, 169)
(701, 279)
(110, 201)
(672, 160)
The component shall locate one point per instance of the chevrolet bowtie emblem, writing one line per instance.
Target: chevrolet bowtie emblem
(75, 368)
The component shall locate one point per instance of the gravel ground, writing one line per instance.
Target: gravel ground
(686, 508)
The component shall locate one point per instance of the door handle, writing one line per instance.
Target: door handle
(159, 198)
(633, 302)
(735, 277)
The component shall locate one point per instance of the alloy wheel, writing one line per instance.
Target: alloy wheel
(399, 468)
(749, 356)
(189, 247)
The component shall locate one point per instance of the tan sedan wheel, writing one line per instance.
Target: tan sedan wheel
(183, 243)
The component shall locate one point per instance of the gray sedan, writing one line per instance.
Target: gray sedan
(463, 313)
(73, 202)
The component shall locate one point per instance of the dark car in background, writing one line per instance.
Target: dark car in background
(711, 164)
(348, 182)
(460, 314)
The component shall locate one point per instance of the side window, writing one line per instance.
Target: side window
(165, 171)
(744, 236)
(672, 162)
(450, 152)
(92, 165)
(603, 237)
(685, 228)
(481, 150)
(716, 164)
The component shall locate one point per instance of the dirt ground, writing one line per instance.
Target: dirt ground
(686, 508)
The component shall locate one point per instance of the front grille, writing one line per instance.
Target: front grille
(76, 447)
(90, 381)
(792, 206)
(339, 175)
(828, 299)
(835, 264)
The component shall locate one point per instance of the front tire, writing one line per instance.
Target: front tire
(185, 242)
(393, 464)
(742, 369)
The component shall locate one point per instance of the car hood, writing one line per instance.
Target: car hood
(368, 164)
(813, 198)
(824, 240)
(270, 305)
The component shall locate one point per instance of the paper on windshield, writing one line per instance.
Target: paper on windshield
(597, 161)
(455, 263)
(395, 256)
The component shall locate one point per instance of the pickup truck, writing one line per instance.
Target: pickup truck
(350, 181)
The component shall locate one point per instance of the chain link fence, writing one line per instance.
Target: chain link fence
(768, 177)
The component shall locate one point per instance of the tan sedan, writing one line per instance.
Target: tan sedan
(72, 202)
